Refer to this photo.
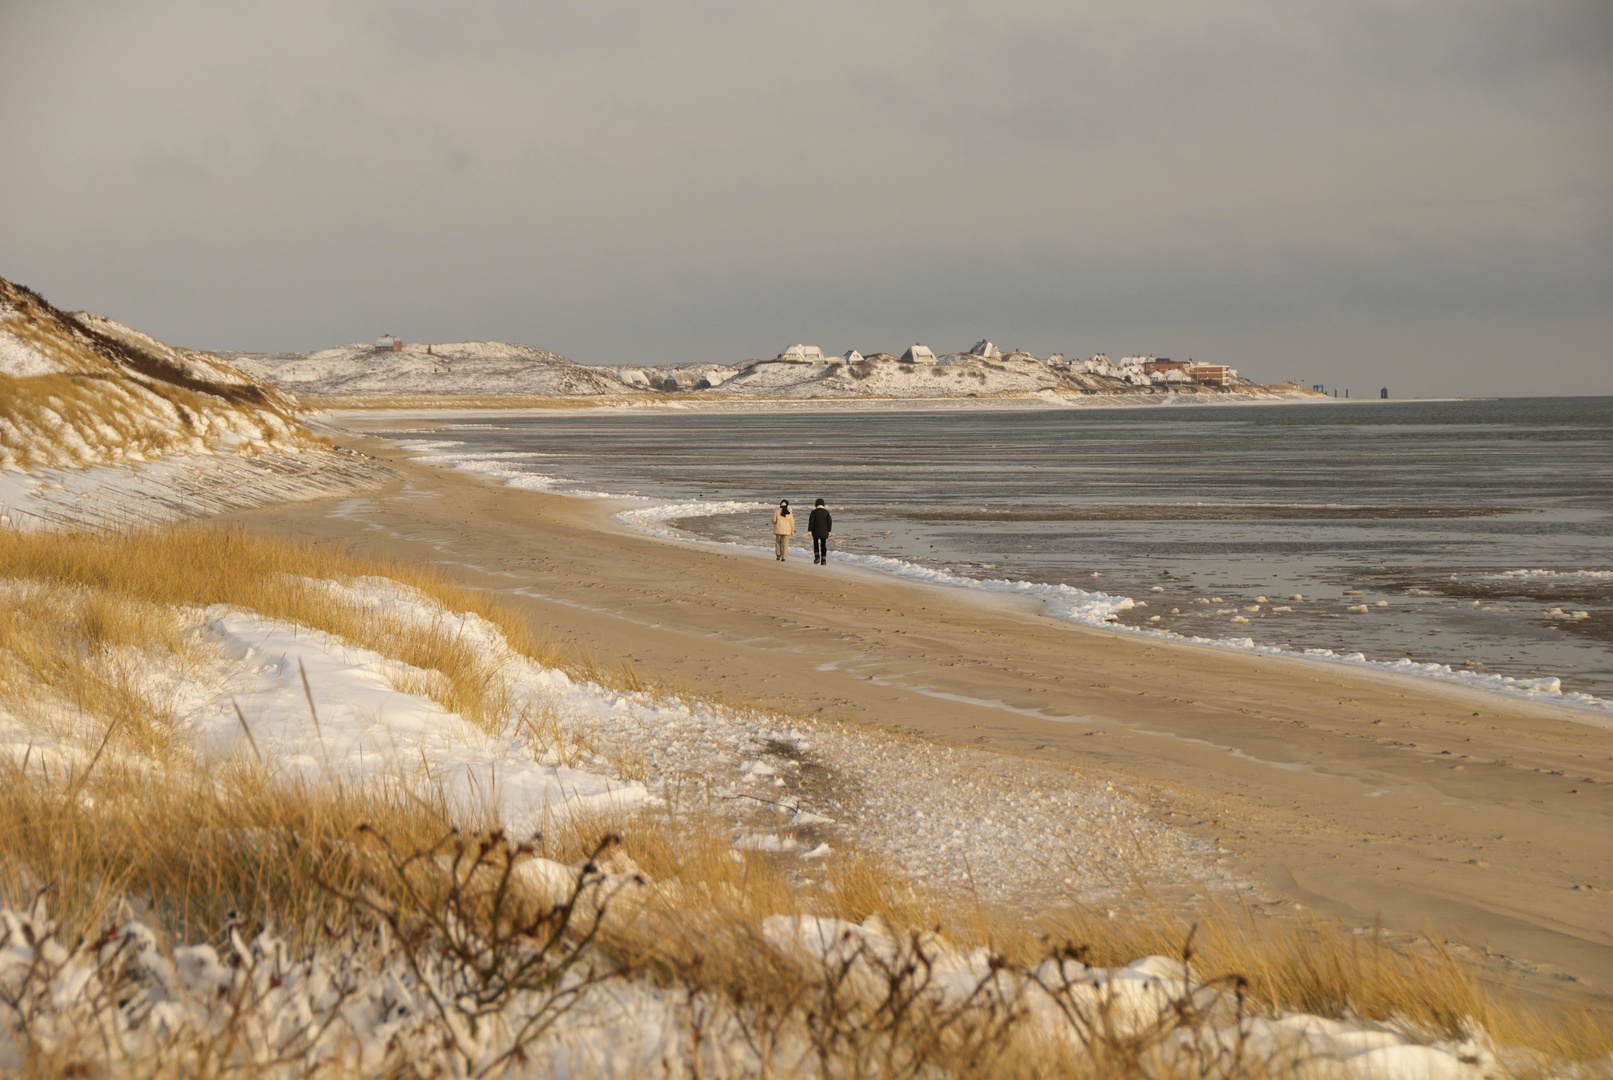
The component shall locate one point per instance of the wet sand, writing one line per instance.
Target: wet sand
(1352, 793)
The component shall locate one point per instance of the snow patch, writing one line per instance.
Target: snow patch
(360, 729)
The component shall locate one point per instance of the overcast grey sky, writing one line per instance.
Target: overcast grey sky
(1411, 193)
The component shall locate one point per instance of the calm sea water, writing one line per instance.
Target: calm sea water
(1423, 506)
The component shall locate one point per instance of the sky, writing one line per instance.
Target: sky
(1416, 195)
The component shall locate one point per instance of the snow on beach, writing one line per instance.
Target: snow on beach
(350, 1011)
(957, 818)
(177, 487)
(368, 732)
(312, 706)
(317, 710)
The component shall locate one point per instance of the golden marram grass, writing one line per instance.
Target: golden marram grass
(135, 824)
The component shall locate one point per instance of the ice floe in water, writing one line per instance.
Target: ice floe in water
(497, 464)
(1595, 575)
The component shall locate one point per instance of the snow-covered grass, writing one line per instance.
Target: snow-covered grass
(300, 813)
(129, 576)
(70, 421)
(78, 390)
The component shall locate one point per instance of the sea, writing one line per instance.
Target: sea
(1470, 540)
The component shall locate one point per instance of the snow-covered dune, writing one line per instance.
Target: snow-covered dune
(491, 368)
(79, 390)
(956, 375)
(462, 367)
(964, 376)
(101, 424)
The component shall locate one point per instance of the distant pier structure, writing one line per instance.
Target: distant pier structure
(1384, 393)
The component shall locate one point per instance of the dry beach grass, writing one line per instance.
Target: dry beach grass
(110, 591)
(133, 824)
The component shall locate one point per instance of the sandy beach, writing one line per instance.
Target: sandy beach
(1480, 817)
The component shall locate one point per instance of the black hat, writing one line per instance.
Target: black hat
(818, 503)
(784, 502)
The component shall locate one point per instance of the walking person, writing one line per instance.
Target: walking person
(783, 529)
(819, 524)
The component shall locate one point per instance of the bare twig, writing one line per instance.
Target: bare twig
(239, 716)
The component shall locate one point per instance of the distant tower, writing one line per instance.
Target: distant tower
(1384, 393)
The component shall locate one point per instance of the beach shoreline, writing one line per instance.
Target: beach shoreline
(1351, 794)
(692, 514)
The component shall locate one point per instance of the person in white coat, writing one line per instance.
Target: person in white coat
(783, 529)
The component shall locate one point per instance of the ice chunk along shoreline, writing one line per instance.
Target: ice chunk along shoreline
(655, 517)
(1097, 609)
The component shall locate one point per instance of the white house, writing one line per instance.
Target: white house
(918, 354)
(852, 356)
(985, 349)
(802, 354)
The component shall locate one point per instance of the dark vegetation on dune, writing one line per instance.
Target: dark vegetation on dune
(34, 309)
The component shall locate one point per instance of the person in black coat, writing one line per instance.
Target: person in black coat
(819, 525)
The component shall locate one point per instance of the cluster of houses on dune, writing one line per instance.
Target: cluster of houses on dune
(983, 369)
(1138, 370)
